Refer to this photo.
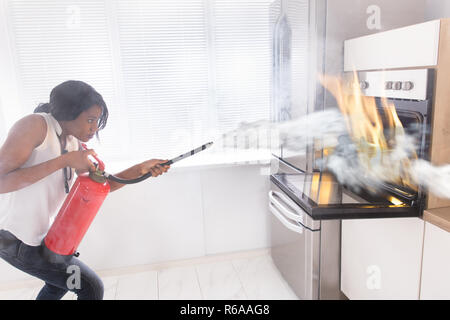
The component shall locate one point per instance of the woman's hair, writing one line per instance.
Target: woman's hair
(69, 99)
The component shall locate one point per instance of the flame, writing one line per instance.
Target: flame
(323, 188)
(374, 139)
(395, 201)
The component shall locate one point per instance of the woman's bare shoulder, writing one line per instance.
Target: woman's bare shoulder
(32, 127)
(25, 135)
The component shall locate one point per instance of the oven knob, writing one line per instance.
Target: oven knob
(389, 85)
(408, 85)
(364, 85)
(397, 85)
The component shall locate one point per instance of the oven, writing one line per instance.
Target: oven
(323, 197)
(307, 207)
(306, 250)
(311, 207)
(411, 93)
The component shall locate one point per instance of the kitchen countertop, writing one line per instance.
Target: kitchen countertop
(439, 217)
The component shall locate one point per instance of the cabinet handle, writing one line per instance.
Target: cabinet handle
(284, 221)
(296, 216)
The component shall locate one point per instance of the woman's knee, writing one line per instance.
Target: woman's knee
(85, 282)
(91, 289)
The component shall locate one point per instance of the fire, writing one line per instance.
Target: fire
(395, 201)
(374, 139)
(323, 188)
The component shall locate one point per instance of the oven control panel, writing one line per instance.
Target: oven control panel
(397, 84)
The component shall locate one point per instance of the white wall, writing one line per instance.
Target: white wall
(186, 213)
(347, 19)
(2, 124)
(437, 9)
(9, 98)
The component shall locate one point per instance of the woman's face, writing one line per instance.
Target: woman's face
(86, 125)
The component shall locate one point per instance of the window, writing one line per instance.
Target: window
(174, 73)
(165, 73)
(55, 41)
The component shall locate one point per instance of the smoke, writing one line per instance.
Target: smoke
(358, 170)
(346, 161)
(295, 135)
(435, 179)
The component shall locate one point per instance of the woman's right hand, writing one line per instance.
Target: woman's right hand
(79, 160)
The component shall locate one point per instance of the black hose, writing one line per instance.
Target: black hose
(133, 181)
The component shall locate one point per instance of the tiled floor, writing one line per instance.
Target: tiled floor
(241, 276)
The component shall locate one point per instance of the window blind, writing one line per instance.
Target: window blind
(243, 61)
(164, 56)
(174, 73)
(60, 40)
(56, 41)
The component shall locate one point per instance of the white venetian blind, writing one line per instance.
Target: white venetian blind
(174, 73)
(56, 41)
(164, 56)
(243, 61)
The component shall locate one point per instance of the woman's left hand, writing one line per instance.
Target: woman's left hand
(154, 166)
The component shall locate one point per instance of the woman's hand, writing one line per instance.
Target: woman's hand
(154, 166)
(151, 166)
(79, 160)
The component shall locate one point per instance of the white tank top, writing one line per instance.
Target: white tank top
(29, 212)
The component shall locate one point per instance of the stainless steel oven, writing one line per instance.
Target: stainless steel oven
(305, 250)
(295, 244)
(411, 93)
(306, 208)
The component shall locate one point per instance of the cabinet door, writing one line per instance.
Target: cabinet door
(436, 264)
(416, 45)
(381, 258)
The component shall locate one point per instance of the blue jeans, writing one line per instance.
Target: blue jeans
(69, 275)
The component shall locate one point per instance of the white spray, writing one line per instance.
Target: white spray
(329, 128)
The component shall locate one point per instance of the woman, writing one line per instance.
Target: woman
(36, 164)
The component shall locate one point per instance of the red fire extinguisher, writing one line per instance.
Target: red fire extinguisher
(77, 212)
(81, 206)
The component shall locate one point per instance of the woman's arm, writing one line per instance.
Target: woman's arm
(26, 135)
(138, 171)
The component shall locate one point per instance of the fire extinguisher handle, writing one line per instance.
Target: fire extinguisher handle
(101, 165)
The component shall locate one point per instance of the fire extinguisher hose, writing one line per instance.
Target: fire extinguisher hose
(132, 181)
(148, 175)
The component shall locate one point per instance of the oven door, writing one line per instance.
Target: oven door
(298, 160)
(295, 245)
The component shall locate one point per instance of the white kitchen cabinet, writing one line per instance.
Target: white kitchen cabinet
(381, 258)
(235, 209)
(154, 221)
(416, 45)
(436, 264)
